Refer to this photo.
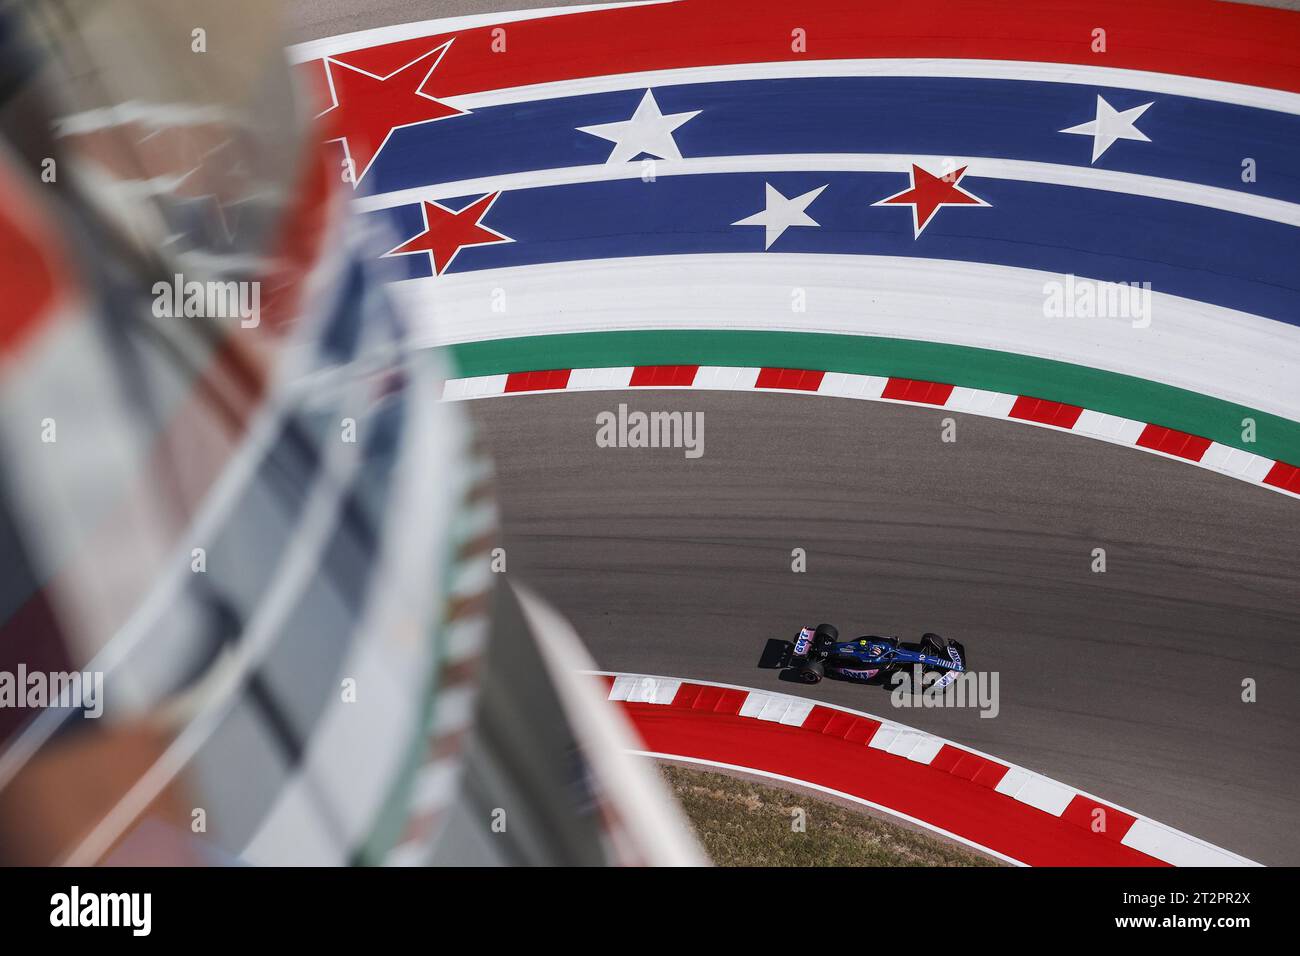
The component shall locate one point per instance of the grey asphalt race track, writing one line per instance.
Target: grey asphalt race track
(1126, 683)
(311, 19)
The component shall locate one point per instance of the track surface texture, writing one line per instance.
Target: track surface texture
(313, 19)
(1125, 683)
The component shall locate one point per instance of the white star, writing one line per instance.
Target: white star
(779, 213)
(648, 131)
(1110, 125)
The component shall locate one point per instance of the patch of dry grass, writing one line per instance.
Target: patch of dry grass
(741, 823)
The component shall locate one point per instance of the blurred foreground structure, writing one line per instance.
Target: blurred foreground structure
(231, 499)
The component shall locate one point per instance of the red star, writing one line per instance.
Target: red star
(367, 108)
(446, 232)
(927, 193)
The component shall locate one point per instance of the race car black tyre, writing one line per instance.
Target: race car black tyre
(811, 673)
(933, 644)
(827, 632)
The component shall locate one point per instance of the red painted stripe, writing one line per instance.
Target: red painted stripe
(804, 380)
(1282, 475)
(1110, 823)
(1231, 42)
(707, 698)
(969, 766)
(849, 727)
(951, 802)
(730, 702)
(991, 774)
(1046, 412)
(703, 697)
(860, 730)
(818, 718)
(537, 381)
(1173, 442)
(664, 375)
(947, 758)
(915, 390)
(686, 695)
(841, 725)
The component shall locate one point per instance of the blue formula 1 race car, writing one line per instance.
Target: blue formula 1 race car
(818, 652)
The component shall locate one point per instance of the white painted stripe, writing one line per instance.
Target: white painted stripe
(1111, 428)
(1047, 795)
(1172, 846)
(379, 36)
(478, 386)
(1013, 780)
(1053, 174)
(884, 737)
(778, 708)
(637, 689)
(848, 385)
(774, 710)
(797, 712)
(926, 749)
(1001, 308)
(1024, 785)
(915, 745)
(600, 378)
(453, 389)
(1258, 468)
(977, 401)
(621, 687)
(1239, 94)
(1235, 462)
(905, 741)
(663, 692)
(726, 377)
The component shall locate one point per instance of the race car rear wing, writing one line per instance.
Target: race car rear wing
(778, 654)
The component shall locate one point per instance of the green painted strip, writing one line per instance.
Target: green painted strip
(1109, 392)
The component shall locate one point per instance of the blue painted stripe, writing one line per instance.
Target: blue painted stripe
(1203, 254)
(1192, 140)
